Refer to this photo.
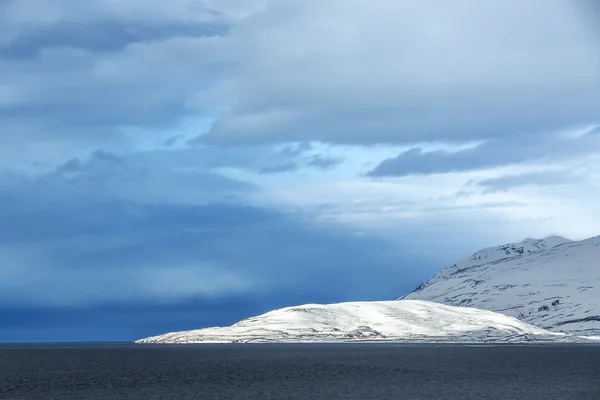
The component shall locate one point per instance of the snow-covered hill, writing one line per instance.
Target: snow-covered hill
(552, 283)
(409, 320)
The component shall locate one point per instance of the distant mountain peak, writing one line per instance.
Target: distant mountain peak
(524, 247)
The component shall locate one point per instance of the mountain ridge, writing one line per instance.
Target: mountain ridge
(553, 283)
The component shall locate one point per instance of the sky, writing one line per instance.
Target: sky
(175, 165)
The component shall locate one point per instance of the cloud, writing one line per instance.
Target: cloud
(541, 148)
(264, 159)
(324, 162)
(300, 160)
(101, 36)
(279, 168)
(81, 74)
(410, 72)
(172, 140)
(140, 177)
(545, 178)
(99, 163)
(391, 72)
(162, 227)
(83, 253)
(109, 25)
(110, 90)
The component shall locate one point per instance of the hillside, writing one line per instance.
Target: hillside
(552, 283)
(404, 321)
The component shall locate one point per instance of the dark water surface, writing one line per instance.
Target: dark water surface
(307, 372)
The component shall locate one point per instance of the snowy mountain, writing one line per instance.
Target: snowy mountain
(409, 320)
(552, 283)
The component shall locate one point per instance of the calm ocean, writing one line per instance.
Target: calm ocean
(303, 372)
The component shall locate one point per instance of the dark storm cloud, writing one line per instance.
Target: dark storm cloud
(77, 252)
(160, 227)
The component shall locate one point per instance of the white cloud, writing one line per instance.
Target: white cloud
(449, 206)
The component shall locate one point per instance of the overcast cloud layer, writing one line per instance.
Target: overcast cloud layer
(173, 159)
(408, 72)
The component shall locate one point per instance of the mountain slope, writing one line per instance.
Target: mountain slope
(408, 320)
(552, 283)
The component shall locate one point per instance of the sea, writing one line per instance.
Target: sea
(299, 372)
